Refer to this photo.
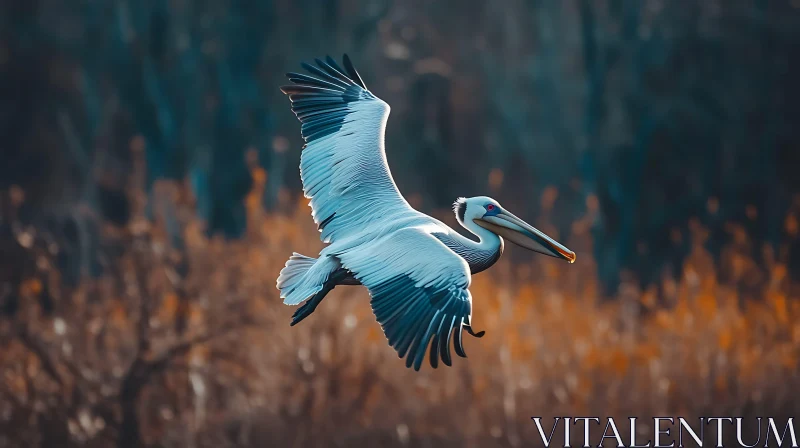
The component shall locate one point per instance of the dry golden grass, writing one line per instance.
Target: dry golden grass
(243, 377)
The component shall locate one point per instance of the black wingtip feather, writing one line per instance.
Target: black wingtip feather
(332, 62)
(434, 353)
(313, 91)
(352, 72)
(324, 75)
(444, 349)
(458, 343)
(330, 75)
(333, 72)
(418, 322)
(320, 100)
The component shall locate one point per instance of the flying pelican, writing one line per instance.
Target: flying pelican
(417, 269)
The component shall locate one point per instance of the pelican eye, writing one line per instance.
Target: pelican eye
(490, 207)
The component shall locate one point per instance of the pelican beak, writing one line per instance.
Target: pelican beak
(523, 234)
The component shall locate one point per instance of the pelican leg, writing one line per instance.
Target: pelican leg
(310, 305)
(340, 277)
(472, 332)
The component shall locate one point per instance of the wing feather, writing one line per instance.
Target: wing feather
(353, 73)
(343, 165)
(419, 290)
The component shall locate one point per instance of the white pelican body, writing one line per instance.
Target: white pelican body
(417, 269)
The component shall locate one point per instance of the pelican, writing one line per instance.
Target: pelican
(417, 269)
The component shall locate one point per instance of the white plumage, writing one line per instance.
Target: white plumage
(417, 269)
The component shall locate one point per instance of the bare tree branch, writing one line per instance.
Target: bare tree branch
(160, 362)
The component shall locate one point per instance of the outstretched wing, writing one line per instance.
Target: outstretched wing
(419, 293)
(343, 165)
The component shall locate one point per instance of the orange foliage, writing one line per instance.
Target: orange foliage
(553, 345)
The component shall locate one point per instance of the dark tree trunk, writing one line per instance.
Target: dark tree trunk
(130, 435)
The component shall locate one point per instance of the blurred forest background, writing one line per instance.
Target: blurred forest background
(149, 195)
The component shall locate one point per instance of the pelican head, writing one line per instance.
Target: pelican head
(487, 213)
